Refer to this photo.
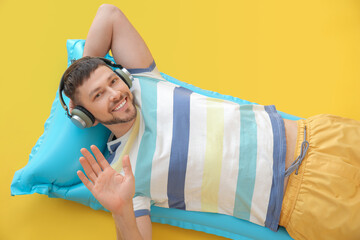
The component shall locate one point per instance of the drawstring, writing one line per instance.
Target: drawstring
(297, 162)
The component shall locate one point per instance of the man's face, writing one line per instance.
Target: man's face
(107, 97)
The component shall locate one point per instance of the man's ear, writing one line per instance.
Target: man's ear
(71, 105)
(95, 123)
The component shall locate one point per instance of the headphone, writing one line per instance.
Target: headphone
(80, 116)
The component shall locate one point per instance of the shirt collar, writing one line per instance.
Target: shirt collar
(114, 143)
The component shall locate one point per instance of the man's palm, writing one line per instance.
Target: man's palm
(109, 187)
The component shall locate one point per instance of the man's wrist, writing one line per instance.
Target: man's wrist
(124, 210)
(125, 222)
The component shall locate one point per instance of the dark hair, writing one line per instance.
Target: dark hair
(79, 71)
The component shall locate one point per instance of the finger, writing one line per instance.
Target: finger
(85, 180)
(89, 157)
(127, 166)
(99, 157)
(88, 169)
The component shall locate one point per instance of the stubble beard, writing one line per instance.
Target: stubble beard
(126, 119)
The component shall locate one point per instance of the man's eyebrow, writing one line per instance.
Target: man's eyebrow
(94, 91)
(98, 88)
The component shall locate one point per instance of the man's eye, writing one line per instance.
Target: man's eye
(113, 81)
(97, 95)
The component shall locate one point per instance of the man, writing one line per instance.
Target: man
(272, 144)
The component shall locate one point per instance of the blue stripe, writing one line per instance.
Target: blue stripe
(247, 162)
(114, 146)
(179, 148)
(148, 141)
(141, 212)
(279, 154)
(142, 70)
(110, 158)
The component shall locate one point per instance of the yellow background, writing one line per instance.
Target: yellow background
(302, 56)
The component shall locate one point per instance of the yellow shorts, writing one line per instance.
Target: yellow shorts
(323, 200)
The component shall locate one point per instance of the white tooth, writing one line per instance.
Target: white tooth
(121, 105)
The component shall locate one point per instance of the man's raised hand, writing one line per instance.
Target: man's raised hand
(113, 190)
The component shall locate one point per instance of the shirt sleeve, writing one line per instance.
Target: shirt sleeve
(141, 206)
(152, 72)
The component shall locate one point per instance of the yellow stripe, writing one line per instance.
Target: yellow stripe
(213, 155)
(134, 132)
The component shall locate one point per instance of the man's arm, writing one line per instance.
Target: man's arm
(143, 225)
(112, 30)
(115, 192)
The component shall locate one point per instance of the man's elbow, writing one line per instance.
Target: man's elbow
(109, 10)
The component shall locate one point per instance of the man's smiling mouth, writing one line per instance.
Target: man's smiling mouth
(120, 105)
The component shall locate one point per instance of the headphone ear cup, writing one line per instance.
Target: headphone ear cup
(82, 117)
(124, 77)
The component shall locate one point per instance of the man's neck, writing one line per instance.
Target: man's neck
(120, 129)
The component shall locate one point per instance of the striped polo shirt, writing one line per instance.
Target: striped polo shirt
(193, 152)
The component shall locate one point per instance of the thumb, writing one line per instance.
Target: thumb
(127, 166)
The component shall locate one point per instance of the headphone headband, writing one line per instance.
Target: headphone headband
(61, 98)
(110, 63)
(80, 116)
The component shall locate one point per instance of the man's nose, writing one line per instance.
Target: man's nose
(114, 95)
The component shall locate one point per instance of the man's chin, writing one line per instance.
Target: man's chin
(116, 120)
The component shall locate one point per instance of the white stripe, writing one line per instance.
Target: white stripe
(153, 74)
(141, 202)
(230, 166)
(264, 166)
(196, 152)
(136, 91)
(161, 159)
